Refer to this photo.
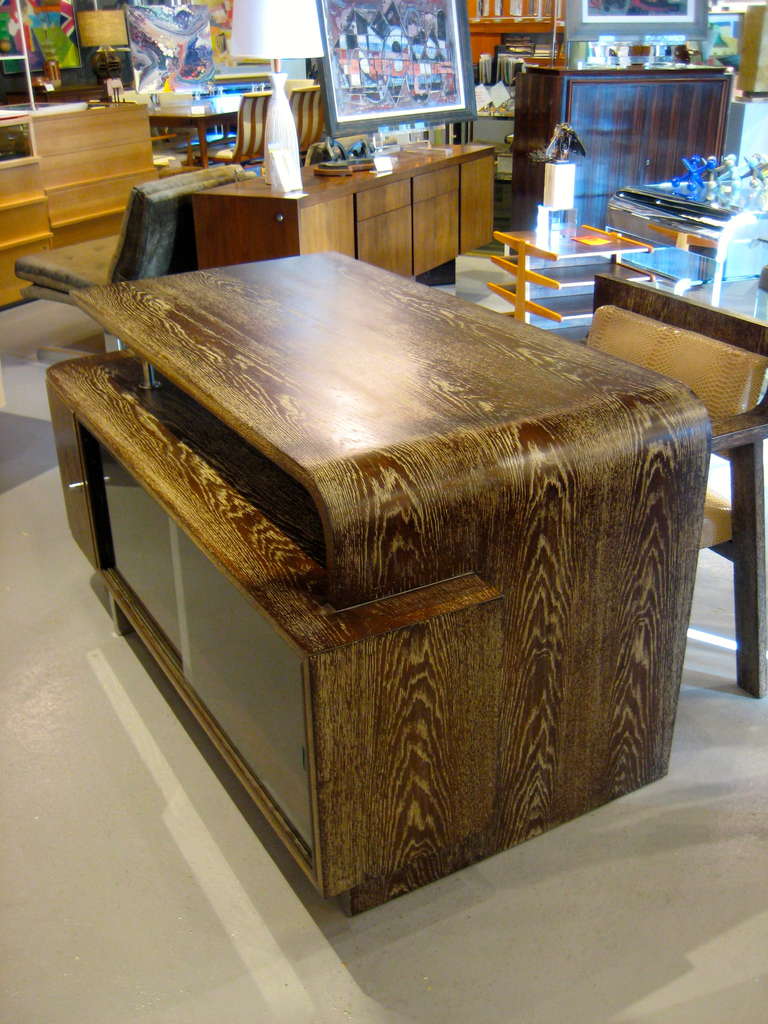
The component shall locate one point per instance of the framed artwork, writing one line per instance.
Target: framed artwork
(221, 29)
(590, 19)
(170, 47)
(390, 62)
(49, 27)
(724, 39)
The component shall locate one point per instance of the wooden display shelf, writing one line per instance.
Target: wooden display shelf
(89, 161)
(24, 224)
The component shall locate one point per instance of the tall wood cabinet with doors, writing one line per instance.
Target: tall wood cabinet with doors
(636, 125)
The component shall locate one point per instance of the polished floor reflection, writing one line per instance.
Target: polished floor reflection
(139, 885)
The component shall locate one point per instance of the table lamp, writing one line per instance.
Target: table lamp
(104, 29)
(288, 29)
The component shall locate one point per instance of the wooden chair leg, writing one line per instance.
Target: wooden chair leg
(748, 520)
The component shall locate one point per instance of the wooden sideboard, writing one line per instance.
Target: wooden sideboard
(435, 204)
(636, 125)
(428, 571)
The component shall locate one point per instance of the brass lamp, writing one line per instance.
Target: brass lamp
(104, 29)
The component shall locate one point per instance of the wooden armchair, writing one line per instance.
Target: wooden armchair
(251, 132)
(728, 376)
(307, 108)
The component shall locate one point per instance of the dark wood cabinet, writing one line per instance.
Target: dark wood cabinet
(636, 125)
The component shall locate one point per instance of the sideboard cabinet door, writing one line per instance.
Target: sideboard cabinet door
(435, 218)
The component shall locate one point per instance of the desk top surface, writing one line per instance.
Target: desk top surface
(317, 188)
(409, 416)
(319, 359)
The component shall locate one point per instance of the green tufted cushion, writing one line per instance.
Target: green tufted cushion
(73, 266)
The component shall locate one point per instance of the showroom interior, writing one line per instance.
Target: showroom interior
(382, 406)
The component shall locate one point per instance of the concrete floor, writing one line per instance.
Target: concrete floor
(138, 885)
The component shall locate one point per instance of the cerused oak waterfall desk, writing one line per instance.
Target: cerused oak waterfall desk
(423, 573)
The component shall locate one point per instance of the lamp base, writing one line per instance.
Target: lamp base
(106, 63)
(281, 147)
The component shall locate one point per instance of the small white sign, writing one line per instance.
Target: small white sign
(499, 94)
(482, 97)
(383, 164)
(197, 109)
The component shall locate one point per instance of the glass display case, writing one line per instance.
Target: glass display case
(15, 139)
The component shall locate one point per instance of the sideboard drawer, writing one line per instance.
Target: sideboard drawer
(427, 185)
(376, 201)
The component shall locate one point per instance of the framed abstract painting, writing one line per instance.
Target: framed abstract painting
(170, 47)
(390, 62)
(590, 19)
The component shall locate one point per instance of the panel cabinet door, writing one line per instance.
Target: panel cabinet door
(636, 132)
(689, 117)
(476, 224)
(435, 231)
(385, 241)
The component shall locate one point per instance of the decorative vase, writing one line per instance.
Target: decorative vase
(281, 155)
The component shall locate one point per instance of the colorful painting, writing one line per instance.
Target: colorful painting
(170, 47)
(10, 44)
(50, 33)
(393, 62)
(590, 19)
(221, 29)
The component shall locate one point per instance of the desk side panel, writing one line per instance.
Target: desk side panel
(405, 729)
(330, 226)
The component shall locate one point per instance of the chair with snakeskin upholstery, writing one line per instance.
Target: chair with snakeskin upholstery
(723, 358)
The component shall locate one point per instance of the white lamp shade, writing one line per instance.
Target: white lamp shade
(275, 29)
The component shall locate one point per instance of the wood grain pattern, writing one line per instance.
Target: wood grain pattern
(69, 167)
(635, 124)
(425, 186)
(329, 226)
(376, 201)
(256, 524)
(436, 441)
(24, 226)
(418, 708)
(435, 231)
(87, 131)
(386, 241)
(89, 161)
(74, 481)
(749, 567)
